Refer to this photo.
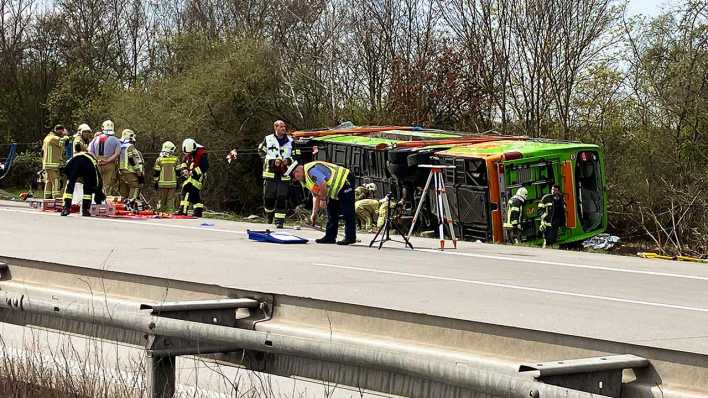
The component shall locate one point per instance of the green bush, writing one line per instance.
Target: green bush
(226, 100)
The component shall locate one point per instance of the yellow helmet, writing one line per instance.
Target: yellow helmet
(168, 147)
(108, 126)
(128, 135)
(523, 192)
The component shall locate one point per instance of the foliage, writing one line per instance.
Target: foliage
(223, 71)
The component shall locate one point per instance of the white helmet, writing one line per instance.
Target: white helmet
(370, 187)
(128, 135)
(523, 192)
(189, 145)
(84, 127)
(107, 126)
(168, 147)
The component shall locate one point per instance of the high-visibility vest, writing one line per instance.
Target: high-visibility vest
(273, 150)
(131, 160)
(166, 171)
(52, 152)
(337, 179)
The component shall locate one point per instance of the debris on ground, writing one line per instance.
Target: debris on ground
(657, 256)
(601, 242)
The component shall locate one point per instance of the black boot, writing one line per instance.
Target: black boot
(66, 210)
(198, 211)
(86, 207)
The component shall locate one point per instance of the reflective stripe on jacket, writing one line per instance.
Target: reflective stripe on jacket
(166, 172)
(514, 211)
(273, 150)
(335, 182)
(52, 151)
(131, 160)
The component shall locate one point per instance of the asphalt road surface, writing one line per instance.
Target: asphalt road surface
(649, 302)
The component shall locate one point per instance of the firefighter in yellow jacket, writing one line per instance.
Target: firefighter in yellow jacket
(52, 157)
(165, 176)
(83, 136)
(130, 167)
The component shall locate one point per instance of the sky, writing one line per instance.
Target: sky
(649, 8)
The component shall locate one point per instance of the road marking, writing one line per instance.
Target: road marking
(568, 265)
(452, 253)
(515, 287)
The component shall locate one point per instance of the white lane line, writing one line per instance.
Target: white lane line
(472, 255)
(515, 287)
(124, 221)
(568, 265)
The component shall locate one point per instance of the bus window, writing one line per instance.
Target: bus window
(588, 185)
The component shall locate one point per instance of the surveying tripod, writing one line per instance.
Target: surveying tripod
(442, 205)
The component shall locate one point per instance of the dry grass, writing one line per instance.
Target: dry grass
(82, 367)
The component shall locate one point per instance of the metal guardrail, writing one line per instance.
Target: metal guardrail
(92, 310)
(289, 336)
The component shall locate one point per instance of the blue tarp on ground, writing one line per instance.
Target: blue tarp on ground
(274, 237)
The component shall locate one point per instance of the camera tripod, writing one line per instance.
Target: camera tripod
(385, 230)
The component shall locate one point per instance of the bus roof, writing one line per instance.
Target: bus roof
(388, 137)
(530, 148)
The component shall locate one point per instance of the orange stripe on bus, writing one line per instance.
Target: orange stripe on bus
(569, 190)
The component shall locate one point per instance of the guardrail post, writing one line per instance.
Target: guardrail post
(160, 377)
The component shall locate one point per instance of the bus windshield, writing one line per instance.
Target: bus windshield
(588, 185)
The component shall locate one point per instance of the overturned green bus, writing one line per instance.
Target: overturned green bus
(488, 170)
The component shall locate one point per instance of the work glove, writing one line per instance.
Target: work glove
(141, 179)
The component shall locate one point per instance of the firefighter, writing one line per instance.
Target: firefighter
(106, 149)
(552, 207)
(366, 212)
(385, 206)
(335, 184)
(130, 167)
(165, 177)
(365, 206)
(82, 138)
(52, 157)
(515, 213)
(277, 149)
(194, 169)
(83, 166)
(366, 191)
